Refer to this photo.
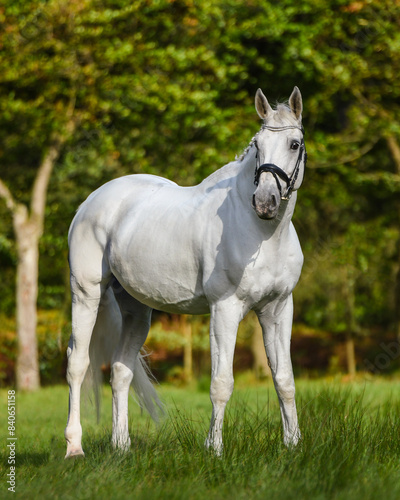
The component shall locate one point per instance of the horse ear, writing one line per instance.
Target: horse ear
(262, 105)
(296, 103)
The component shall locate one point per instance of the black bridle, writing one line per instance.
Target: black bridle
(277, 171)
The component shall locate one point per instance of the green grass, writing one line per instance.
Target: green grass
(350, 447)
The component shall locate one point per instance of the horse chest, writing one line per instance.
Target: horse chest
(271, 275)
(270, 280)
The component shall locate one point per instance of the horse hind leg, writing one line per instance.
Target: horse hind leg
(85, 305)
(136, 319)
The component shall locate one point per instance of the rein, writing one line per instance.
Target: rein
(277, 171)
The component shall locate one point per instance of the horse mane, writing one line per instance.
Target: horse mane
(283, 116)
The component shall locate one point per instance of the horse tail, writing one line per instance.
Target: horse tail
(146, 394)
(105, 338)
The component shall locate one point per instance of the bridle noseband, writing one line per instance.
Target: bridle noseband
(277, 171)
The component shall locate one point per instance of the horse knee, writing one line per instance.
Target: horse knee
(221, 389)
(285, 388)
(121, 376)
(77, 365)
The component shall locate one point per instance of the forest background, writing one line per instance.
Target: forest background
(94, 89)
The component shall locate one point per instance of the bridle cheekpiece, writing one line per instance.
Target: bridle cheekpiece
(277, 171)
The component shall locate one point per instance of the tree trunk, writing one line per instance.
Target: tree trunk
(349, 297)
(350, 355)
(260, 363)
(186, 329)
(397, 292)
(394, 149)
(27, 235)
(28, 228)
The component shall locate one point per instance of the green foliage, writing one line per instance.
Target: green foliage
(53, 332)
(168, 87)
(8, 343)
(354, 272)
(171, 336)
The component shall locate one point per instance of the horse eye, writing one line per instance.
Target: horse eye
(295, 145)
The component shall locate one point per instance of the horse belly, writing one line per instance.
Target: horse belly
(165, 291)
(159, 265)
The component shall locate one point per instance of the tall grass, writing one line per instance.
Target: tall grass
(350, 447)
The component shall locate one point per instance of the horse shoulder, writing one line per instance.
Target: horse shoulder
(295, 253)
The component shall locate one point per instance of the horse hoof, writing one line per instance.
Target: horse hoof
(215, 449)
(75, 454)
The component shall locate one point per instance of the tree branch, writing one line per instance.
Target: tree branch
(394, 148)
(348, 158)
(42, 179)
(5, 193)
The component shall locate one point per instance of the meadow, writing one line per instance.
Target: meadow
(350, 447)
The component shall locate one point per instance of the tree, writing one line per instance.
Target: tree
(115, 87)
(260, 364)
(28, 221)
(28, 228)
(78, 84)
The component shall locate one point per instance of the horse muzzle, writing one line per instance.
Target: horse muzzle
(266, 200)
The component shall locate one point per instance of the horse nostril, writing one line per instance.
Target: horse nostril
(273, 201)
(253, 201)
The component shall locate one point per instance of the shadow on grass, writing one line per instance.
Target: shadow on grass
(34, 458)
(28, 459)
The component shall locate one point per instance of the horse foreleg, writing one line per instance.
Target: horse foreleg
(276, 323)
(224, 322)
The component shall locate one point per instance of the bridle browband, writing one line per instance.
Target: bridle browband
(277, 171)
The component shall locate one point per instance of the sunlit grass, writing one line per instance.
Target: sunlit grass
(350, 447)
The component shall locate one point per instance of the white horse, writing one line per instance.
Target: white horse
(224, 247)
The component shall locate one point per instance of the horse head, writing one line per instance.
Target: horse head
(281, 155)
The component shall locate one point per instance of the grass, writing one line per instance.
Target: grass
(350, 447)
